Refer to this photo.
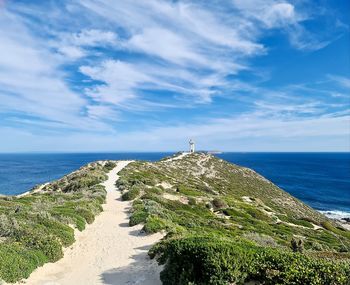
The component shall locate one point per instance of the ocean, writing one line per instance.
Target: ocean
(321, 180)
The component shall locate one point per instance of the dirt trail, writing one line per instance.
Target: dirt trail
(107, 252)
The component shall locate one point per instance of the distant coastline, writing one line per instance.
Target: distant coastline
(317, 179)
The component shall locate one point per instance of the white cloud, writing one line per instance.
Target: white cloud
(341, 80)
(271, 13)
(71, 52)
(153, 55)
(93, 37)
(73, 45)
(31, 83)
(102, 112)
(28, 78)
(282, 15)
(242, 133)
(120, 79)
(166, 45)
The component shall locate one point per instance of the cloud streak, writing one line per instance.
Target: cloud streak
(127, 69)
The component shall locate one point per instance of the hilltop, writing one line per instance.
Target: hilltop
(199, 199)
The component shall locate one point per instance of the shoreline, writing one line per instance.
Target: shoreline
(342, 217)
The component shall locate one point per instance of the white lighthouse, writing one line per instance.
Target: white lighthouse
(191, 146)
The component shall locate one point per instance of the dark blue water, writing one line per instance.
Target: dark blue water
(322, 180)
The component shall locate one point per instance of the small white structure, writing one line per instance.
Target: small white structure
(191, 146)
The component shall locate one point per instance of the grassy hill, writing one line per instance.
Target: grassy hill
(36, 227)
(227, 224)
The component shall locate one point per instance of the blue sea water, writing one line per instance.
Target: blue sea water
(322, 180)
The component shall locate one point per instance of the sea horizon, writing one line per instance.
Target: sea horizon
(304, 175)
(168, 151)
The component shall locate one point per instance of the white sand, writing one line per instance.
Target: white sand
(107, 252)
(180, 156)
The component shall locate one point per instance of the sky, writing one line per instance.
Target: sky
(148, 75)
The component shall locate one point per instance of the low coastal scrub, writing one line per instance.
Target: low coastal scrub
(214, 260)
(254, 230)
(131, 194)
(36, 227)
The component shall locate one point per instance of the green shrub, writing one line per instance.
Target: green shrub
(328, 226)
(49, 245)
(154, 224)
(64, 232)
(37, 226)
(192, 201)
(69, 212)
(302, 222)
(154, 190)
(7, 225)
(109, 165)
(17, 262)
(257, 214)
(86, 214)
(138, 217)
(213, 260)
(131, 194)
(234, 213)
(183, 189)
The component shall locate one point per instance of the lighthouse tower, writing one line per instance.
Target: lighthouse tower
(191, 146)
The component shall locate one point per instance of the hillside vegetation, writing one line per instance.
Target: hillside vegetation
(36, 227)
(226, 224)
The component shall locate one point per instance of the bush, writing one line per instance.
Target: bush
(37, 226)
(64, 232)
(260, 239)
(257, 214)
(49, 245)
(155, 190)
(219, 204)
(7, 225)
(109, 165)
(131, 194)
(297, 245)
(213, 260)
(138, 217)
(17, 262)
(154, 224)
(86, 214)
(192, 201)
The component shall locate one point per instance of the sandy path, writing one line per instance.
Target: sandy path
(107, 252)
(180, 156)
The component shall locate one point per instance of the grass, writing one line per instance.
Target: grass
(35, 228)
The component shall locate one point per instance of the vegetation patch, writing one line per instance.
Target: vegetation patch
(270, 238)
(35, 228)
(213, 260)
(132, 193)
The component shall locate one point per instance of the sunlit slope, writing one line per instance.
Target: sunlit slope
(219, 215)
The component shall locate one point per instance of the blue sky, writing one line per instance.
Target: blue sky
(235, 75)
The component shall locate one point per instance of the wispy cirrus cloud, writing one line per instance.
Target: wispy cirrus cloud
(97, 66)
(73, 45)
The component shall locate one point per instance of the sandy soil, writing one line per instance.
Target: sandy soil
(180, 156)
(107, 252)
